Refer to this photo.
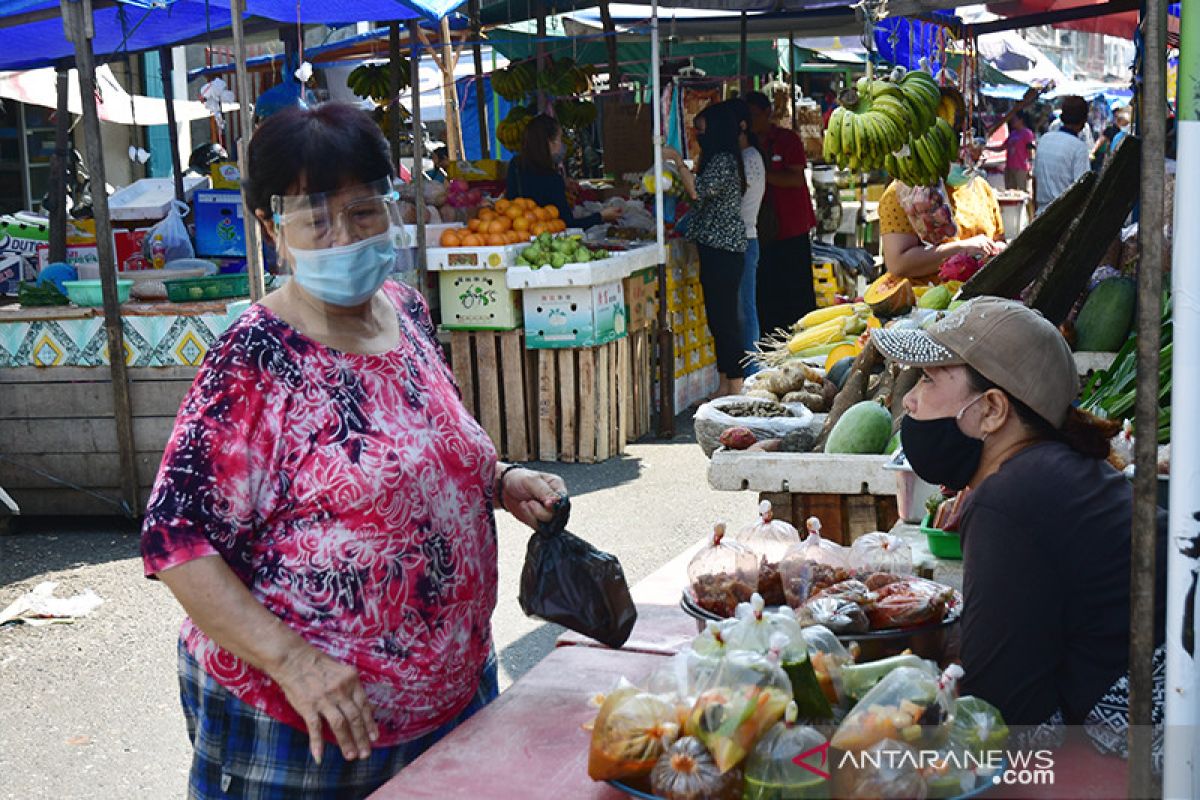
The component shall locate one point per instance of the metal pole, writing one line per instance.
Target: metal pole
(418, 142)
(792, 77)
(485, 150)
(540, 50)
(77, 24)
(666, 337)
(393, 109)
(1182, 750)
(58, 169)
(743, 58)
(166, 62)
(254, 263)
(1149, 332)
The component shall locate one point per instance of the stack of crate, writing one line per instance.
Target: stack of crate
(695, 352)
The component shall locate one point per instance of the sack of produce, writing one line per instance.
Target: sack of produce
(839, 616)
(978, 727)
(763, 418)
(722, 574)
(748, 694)
(771, 769)
(908, 603)
(769, 539)
(898, 776)
(928, 212)
(631, 732)
(687, 771)
(914, 705)
(812, 565)
(829, 659)
(881, 552)
(567, 581)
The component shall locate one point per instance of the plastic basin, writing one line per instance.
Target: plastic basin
(89, 293)
(943, 544)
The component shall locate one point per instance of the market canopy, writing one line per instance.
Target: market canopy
(500, 12)
(1122, 24)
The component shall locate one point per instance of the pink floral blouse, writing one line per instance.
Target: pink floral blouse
(353, 496)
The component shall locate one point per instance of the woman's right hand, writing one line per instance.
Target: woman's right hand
(981, 246)
(322, 688)
(610, 214)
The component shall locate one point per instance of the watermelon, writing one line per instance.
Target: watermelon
(1103, 323)
(865, 428)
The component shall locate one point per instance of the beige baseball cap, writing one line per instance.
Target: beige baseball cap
(1011, 345)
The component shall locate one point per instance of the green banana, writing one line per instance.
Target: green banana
(833, 136)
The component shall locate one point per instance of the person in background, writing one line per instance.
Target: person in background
(785, 280)
(1062, 155)
(756, 184)
(1018, 147)
(715, 225)
(537, 173)
(441, 162)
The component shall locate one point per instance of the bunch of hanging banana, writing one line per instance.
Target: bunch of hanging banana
(574, 114)
(879, 117)
(511, 129)
(374, 81)
(926, 159)
(515, 81)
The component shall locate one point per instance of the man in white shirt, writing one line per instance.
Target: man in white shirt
(1062, 155)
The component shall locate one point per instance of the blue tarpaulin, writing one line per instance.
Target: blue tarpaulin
(903, 41)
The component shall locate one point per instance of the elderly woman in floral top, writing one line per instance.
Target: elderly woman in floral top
(324, 510)
(716, 226)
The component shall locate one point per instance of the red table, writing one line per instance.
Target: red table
(660, 630)
(529, 743)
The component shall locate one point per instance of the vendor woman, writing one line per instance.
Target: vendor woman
(976, 214)
(1046, 523)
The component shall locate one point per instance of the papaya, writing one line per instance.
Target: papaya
(864, 429)
(890, 296)
(935, 297)
(1104, 321)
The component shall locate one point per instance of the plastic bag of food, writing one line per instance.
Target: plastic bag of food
(881, 552)
(812, 565)
(812, 705)
(722, 574)
(897, 776)
(771, 769)
(851, 591)
(928, 212)
(764, 418)
(908, 603)
(859, 679)
(631, 732)
(755, 626)
(978, 727)
(946, 776)
(839, 616)
(914, 705)
(747, 695)
(687, 771)
(769, 539)
(829, 657)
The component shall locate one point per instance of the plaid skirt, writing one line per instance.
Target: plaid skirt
(241, 752)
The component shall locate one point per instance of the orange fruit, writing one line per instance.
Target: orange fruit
(559, 225)
(514, 212)
(502, 205)
(473, 225)
(472, 240)
(521, 224)
(552, 211)
(542, 214)
(487, 215)
(494, 240)
(450, 238)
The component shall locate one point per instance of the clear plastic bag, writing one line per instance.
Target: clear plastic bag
(897, 777)
(914, 705)
(771, 770)
(765, 419)
(851, 591)
(839, 616)
(909, 603)
(829, 656)
(978, 727)
(769, 539)
(631, 732)
(723, 574)
(946, 777)
(812, 565)
(747, 695)
(687, 771)
(754, 627)
(928, 211)
(881, 552)
(168, 239)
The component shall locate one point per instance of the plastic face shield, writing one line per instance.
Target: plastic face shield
(342, 217)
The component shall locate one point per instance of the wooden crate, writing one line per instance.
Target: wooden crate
(844, 517)
(59, 451)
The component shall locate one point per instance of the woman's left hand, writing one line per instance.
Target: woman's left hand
(530, 495)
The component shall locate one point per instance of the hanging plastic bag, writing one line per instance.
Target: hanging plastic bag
(687, 771)
(909, 603)
(772, 770)
(722, 574)
(911, 704)
(898, 776)
(881, 552)
(633, 729)
(813, 565)
(746, 696)
(769, 539)
(567, 581)
(928, 211)
(168, 240)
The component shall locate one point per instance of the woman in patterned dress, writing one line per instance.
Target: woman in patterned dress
(324, 509)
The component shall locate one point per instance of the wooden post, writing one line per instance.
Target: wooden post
(58, 169)
(450, 94)
(792, 79)
(418, 139)
(610, 44)
(254, 262)
(743, 58)
(480, 101)
(540, 49)
(77, 24)
(166, 67)
(393, 110)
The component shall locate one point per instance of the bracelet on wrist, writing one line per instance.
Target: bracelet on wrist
(500, 481)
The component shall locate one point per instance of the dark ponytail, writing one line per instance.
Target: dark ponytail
(1084, 433)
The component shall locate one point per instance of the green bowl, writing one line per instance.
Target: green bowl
(943, 544)
(89, 293)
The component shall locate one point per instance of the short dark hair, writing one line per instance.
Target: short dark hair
(317, 149)
(741, 112)
(442, 152)
(758, 100)
(535, 144)
(1074, 110)
(1026, 120)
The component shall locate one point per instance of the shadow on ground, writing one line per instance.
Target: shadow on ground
(524, 653)
(37, 545)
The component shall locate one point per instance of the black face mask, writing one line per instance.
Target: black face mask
(939, 452)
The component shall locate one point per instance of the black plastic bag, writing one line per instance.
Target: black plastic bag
(567, 581)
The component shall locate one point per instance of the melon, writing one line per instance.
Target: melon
(1107, 314)
(890, 296)
(864, 429)
(936, 297)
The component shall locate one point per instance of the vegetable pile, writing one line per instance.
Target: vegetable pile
(558, 251)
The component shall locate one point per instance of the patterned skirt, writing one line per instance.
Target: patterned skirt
(241, 752)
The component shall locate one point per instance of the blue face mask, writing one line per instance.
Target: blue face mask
(348, 275)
